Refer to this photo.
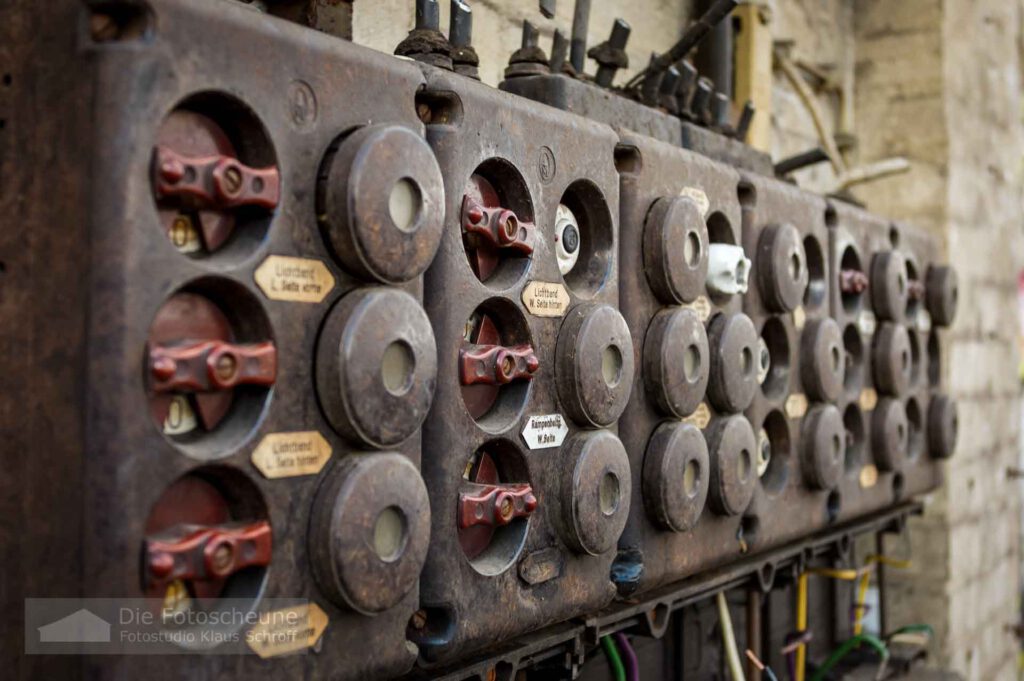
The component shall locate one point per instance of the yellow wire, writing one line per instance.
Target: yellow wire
(862, 596)
(862, 574)
(846, 575)
(801, 624)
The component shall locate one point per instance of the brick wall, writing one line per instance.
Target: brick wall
(939, 82)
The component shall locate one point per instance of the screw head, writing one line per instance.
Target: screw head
(222, 557)
(505, 509)
(225, 366)
(232, 179)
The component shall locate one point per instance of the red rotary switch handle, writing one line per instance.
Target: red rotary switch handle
(496, 364)
(211, 365)
(494, 505)
(499, 226)
(198, 553)
(218, 181)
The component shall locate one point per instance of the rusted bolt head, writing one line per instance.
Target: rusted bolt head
(508, 365)
(232, 179)
(511, 225)
(505, 509)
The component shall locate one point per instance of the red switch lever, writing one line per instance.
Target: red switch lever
(852, 281)
(218, 181)
(496, 364)
(915, 290)
(205, 553)
(211, 365)
(499, 226)
(494, 505)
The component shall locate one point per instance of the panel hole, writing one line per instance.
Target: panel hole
(491, 549)
(934, 360)
(915, 423)
(849, 263)
(853, 422)
(628, 159)
(776, 435)
(118, 21)
(776, 340)
(587, 204)
(495, 406)
(833, 505)
(853, 345)
(438, 108)
(814, 295)
(497, 183)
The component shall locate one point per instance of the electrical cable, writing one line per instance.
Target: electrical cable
(801, 625)
(613, 658)
(732, 653)
(761, 666)
(630, 661)
(851, 644)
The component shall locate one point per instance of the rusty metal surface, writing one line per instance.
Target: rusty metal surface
(114, 461)
(652, 173)
(892, 400)
(533, 158)
(601, 408)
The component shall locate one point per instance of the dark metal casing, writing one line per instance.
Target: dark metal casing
(550, 566)
(88, 296)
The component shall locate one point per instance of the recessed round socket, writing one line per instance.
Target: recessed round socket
(380, 202)
(889, 434)
(215, 178)
(892, 359)
(943, 426)
(595, 491)
(676, 361)
(853, 422)
(567, 239)
(594, 364)
(782, 272)
(376, 366)
(731, 444)
(822, 444)
(675, 476)
(223, 500)
(941, 293)
(211, 323)
(889, 287)
(676, 249)
(853, 353)
(735, 356)
(369, 530)
(774, 451)
(823, 360)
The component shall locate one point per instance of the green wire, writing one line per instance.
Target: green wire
(613, 658)
(913, 629)
(845, 649)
